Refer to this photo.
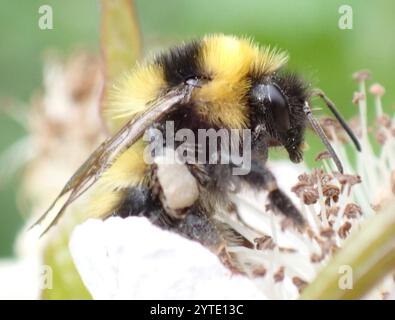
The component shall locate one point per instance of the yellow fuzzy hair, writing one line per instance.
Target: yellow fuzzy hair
(127, 171)
(103, 204)
(228, 61)
(131, 94)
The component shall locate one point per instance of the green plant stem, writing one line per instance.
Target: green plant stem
(370, 252)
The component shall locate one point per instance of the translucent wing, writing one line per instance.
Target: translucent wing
(91, 170)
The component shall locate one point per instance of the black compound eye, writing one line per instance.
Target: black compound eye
(271, 97)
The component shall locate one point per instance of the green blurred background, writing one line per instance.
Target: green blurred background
(307, 29)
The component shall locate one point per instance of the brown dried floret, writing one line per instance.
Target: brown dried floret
(299, 283)
(344, 230)
(322, 176)
(316, 258)
(287, 250)
(304, 177)
(331, 192)
(259, 271)
(352, 210)
(350, 179)
(279, 275)
(265, 243)
(306, 192)
(328, 246)
(361, 75)
(347, 179)
(330, 122)
(310, 233)
(358, 96)
(332, 211)
(384, 121)
(299, 187)
(326, 178)
(327, 232)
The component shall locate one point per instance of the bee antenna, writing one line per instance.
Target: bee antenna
(317, 128)
(333, 109)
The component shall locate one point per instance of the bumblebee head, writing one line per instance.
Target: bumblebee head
(280, 105)
(277, 104)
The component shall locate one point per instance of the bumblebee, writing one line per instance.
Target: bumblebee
(217, 82)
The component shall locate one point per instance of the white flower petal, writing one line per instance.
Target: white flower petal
(133, 259)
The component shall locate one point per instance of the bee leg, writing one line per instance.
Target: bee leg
(198, 226)
(179, 199)
(139, 201)
(260, 177)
